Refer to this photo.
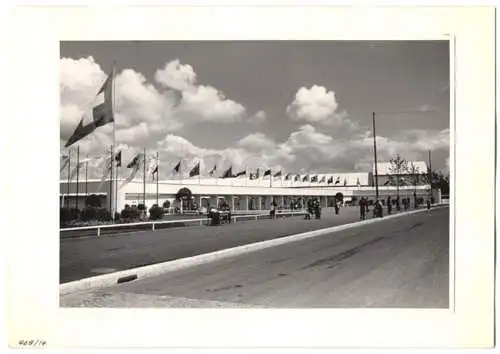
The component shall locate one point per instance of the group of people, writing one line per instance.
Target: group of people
(378, 208)
(313, 208)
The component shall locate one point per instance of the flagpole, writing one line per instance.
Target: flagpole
(116, 181)
(77, 173)
(199, 172)
(86, 179)
(69, 176)
(144, 181)
(157, 174)
(111, 186)
(113, 182)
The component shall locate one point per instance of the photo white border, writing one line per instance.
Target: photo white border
(33, 247)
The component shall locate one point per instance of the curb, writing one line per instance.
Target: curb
(107, 280)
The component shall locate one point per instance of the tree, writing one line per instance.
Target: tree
(440, 181)
(414, 172)
(397, 167)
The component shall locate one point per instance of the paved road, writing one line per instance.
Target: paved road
(82, 258)
(401, 262)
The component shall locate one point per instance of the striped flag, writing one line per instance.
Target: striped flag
(102, 114)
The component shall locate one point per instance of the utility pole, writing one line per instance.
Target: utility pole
(430, 175)
(375, 155)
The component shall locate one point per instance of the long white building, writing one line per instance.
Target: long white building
(243, 193)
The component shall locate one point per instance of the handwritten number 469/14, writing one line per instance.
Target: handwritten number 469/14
(32, 343)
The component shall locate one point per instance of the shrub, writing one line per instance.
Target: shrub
(129, 213)
(156, 213)
(103, 214)
(67, 215)
(89, 214)
(166, 204)
(93, 200)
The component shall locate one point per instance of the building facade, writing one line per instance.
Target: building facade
(242, 193)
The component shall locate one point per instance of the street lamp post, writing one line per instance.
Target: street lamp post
(375, 155)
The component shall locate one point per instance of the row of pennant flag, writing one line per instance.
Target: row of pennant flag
(139, 161)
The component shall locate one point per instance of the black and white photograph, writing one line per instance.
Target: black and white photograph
(251, 177)
(273, 174)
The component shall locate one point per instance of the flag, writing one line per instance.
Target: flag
(118, 159)
(64, 162)
(277, 174)
(102, 114)
(267, 173)
(228, 173)
(323, 179)
(135, 165)
(135, 161)
(195, 170)
(255, 175)
(330, 180)
(337, 181)
(105, 172)
(241, 173)
(155, 170)
(80, 164)
(306, 178)
(288, 176)
(214, 170)
(297, 178)
(177, 167)
(314, 178)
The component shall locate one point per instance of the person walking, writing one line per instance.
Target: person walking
(389, 205)
(362, 208)
(428, 205)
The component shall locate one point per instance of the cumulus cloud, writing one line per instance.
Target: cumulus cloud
(208, 104)
(256, 142)
(315, 105)
(305, 150)
(258, 117)
(176, 76)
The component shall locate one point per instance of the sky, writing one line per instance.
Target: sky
(300, 106)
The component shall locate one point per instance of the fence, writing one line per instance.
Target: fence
(98, 230)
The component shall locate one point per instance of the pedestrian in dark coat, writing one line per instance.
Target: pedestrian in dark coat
(362, 209)
(389, 205)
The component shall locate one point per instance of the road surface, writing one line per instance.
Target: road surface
(401, 262)
(82, 258)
